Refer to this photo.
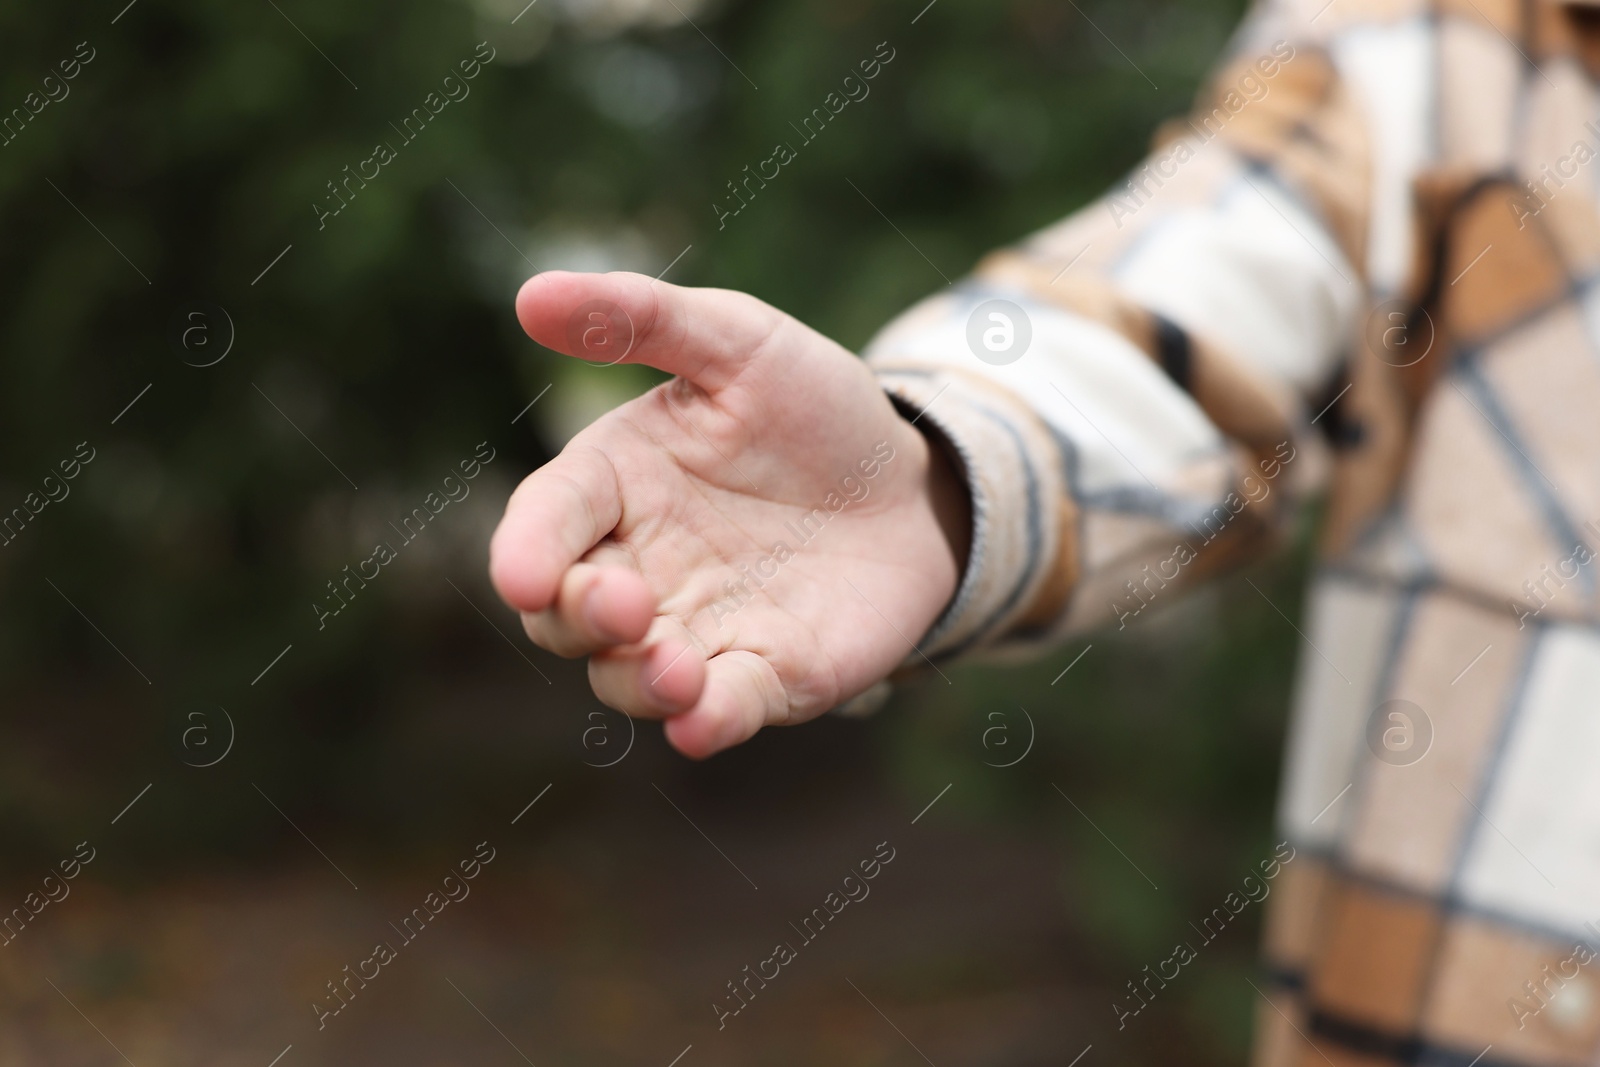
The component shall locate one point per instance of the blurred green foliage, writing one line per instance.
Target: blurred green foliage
(189, 154)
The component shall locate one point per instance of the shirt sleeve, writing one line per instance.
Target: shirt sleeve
(1132, 392)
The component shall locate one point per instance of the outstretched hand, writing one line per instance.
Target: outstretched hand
(749, 544)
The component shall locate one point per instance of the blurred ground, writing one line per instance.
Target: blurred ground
(601, 941)
(608, 922)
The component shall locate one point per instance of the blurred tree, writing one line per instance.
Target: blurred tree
(182, 168)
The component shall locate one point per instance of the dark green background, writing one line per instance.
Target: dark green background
(197, 141)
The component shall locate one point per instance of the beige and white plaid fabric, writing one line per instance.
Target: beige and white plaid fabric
(1365, 267)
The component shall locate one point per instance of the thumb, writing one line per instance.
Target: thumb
(704, 335)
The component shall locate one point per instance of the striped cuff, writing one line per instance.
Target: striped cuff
(1016, 479)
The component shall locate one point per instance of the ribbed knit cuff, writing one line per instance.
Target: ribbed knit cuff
(1015, 477)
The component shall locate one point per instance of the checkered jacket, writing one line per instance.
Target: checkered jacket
(1365, 267)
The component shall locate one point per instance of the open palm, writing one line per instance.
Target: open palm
(751, 543)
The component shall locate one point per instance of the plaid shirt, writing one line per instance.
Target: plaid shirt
(1365, 267)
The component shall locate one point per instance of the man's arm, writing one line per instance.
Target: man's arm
(1131, 391)
(769, 535)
